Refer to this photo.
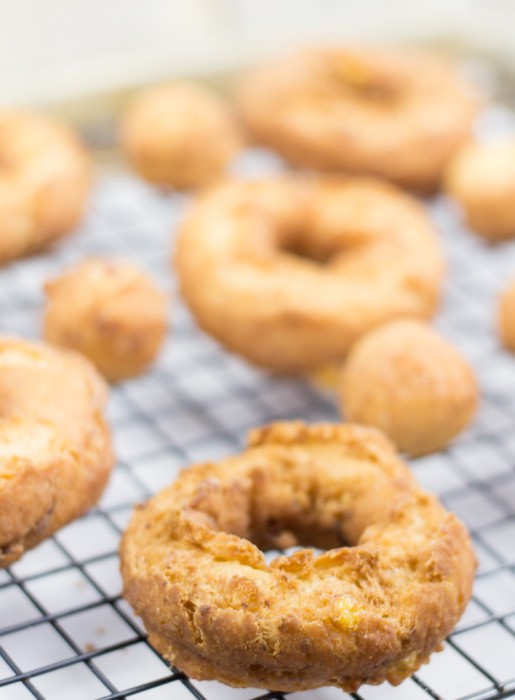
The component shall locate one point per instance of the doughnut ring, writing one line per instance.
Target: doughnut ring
(44, 183)
(394, 579)
(289, 272)
(392, 114)
(55, 447)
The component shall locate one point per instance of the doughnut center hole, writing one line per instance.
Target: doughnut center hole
(287, 514)
(300, 244)
(286, 532)
(363, 83)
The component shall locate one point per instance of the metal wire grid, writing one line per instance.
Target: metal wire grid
(64, 630)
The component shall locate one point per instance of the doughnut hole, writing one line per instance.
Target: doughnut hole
(482, 180)
(408, 381)
(179, 135)
(111, 312)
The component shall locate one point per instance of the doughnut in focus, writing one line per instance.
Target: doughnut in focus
(44, 182)
(482, 180)
(397, 115)
(55, 446)
(179, 135)
(412, 384)
(111, 312)
(394, 579)
(289, 272)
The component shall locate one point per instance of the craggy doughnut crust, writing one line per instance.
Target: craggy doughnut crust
(55, 447)
(392, 114)
(392, 584)
(288, 272)
(179, 135)
(44, 182)
(411, 383)
(110, 311)
(481, 178)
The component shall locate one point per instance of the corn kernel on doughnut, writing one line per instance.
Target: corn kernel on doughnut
(55, 447)
(288, 272)
(44, 182)
(397, 115)
(179, 135)
(481, 178)
(111, 312)
(394, 579)
(409, 382)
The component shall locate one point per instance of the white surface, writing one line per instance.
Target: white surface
(58, 49)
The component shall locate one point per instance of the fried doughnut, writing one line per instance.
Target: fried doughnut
(109, 311)
(55, 447)
(179, 135)
(481, 178)
(506, 316)
(395, 578)
(392, 114)
(289, 272)
(409, 382)
(44, 182)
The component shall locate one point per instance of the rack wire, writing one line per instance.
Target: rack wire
(65, 632)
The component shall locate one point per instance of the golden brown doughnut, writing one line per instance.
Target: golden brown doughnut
(395, 578)
(481, 178)
(110, 311)
(409, 382)
(179, 135)
(288, 272)
(44, 182)
(392, 114)
(55, 447)
(506, 316)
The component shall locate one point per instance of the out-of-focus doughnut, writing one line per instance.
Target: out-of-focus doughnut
(392, 114)
(111, 312)
(507, 317)
(55, 448)
(44, 182)
(482, 179)
(179, 135)
(408, 381)
(395, 578)
(289, 272)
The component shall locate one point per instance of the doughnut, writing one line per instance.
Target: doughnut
(506, 316)
(111, 312)
(397, 115)
(481, 178)
(44, 183)
(409, 382)
(55, 447)
(179, 135)
(394, 578)
(288, 272)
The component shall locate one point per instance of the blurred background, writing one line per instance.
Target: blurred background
(57, 51)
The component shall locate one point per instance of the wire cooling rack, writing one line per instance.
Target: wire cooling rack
(66, 633)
